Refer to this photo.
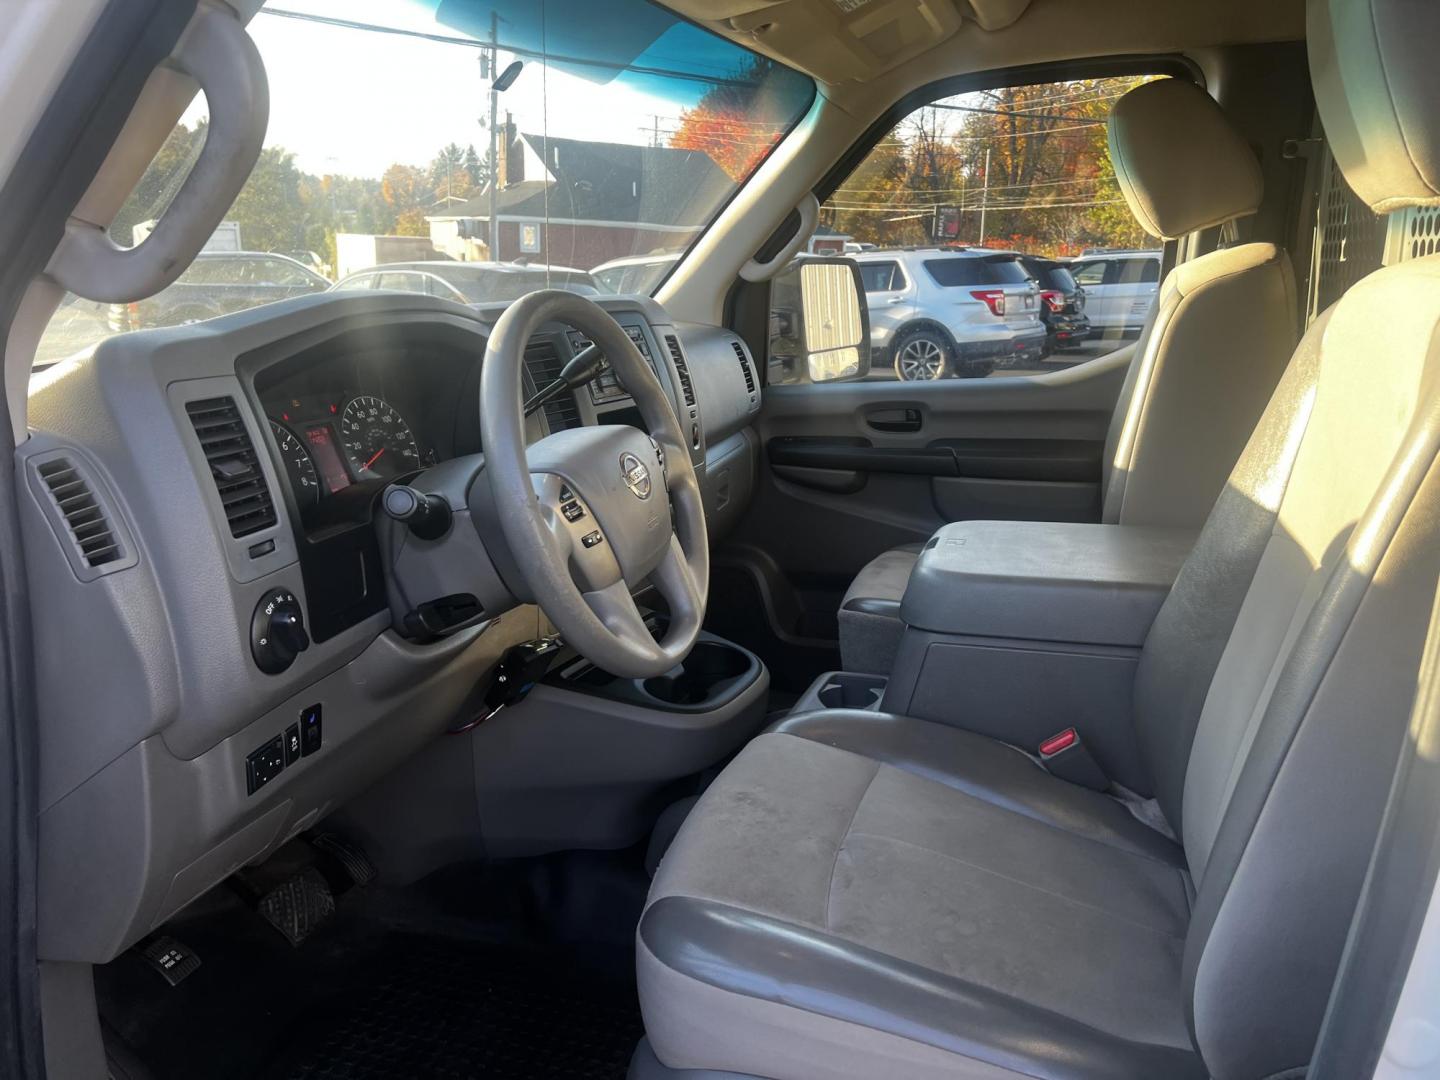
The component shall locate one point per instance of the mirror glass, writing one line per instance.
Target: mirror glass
(818, 325)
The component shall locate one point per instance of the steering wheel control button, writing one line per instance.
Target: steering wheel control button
(592, 539)
(292, 744)
(277, 631)
(264, 765)
(566, 495)
(572, 510)
(310, 730)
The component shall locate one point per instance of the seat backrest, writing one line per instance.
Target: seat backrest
(1223, 325)
(1276, 684)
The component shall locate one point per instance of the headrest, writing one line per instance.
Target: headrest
(1377, 85)
(1182, 166)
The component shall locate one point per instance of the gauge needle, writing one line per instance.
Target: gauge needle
(374, 459)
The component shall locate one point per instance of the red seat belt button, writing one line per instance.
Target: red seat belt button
(1056, 743)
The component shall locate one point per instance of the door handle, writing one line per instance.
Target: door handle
(896, 300)
(895, 421)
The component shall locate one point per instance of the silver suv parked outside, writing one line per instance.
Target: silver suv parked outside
(938, 312)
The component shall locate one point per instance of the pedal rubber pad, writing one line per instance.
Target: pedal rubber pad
(171, 959)
(298, 905)
(350, 858)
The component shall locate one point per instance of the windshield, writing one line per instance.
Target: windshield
(565, 136)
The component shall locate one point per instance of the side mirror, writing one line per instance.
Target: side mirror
(819, 323)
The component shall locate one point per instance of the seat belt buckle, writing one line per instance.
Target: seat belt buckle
(1064, 755)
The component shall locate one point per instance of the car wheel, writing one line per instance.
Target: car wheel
(920, 356)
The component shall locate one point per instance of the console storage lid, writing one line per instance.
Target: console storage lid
(1045, 581)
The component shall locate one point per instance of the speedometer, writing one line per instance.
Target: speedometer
(299, 466)
(376, 439)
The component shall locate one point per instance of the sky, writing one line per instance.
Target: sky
(352, 102)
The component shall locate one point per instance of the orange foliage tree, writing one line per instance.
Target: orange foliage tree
(734, 122)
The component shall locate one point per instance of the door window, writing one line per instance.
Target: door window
(1022, 170)
(882, 277)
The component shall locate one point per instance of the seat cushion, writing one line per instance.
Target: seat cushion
(870, 626)
(861, 895)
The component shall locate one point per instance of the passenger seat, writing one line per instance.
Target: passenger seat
(1206, 363)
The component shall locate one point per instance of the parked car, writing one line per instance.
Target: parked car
(936, 312)
(470, 283)
(217, 283)
(1120, 288)
(1062, 303)
(636, 275)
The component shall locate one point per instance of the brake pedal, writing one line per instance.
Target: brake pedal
(299, 905)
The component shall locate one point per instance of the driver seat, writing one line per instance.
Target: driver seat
(861, 895)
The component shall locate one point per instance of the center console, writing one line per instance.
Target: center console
(1019, 630)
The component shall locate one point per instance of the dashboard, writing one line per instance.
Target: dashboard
(239, 464)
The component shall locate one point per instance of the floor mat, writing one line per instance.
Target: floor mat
(523, 969)
(434, 1010)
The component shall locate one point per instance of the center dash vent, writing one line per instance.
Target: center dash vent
(744, 365)
(95, 539)
(542, 361)
(681, 368)
(234, 465)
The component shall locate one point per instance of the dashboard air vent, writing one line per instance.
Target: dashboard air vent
(542, 361)
(83, 515)
(681, 368)
(744, 365)
(234, 466)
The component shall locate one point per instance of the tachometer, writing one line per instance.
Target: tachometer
(376, 439)
(299, 466)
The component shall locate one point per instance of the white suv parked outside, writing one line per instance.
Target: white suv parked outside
(938, 312)
(1120, 288)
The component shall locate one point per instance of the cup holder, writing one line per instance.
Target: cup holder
(849, 691)
(709, 666)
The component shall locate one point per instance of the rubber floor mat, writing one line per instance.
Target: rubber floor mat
(435, 1009)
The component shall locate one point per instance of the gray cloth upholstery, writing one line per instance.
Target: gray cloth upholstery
(870, 625)
(937, 863)
(1180, 163)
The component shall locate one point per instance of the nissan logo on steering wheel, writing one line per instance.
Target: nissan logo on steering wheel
(635, 475)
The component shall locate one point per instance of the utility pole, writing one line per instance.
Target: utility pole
(494, 154)
(984, 196)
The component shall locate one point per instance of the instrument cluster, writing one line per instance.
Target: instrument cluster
(330, 443)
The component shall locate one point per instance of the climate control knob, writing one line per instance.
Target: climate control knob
(277, 631)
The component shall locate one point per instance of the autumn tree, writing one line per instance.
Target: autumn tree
(1035, 158)
(738, 120)
(409, 194)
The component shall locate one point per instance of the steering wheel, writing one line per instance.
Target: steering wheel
(587, 512)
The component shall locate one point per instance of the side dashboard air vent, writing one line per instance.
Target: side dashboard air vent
(542, 361)
(744, 365)
(234, 465)
(96, 542)
(681, 368)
